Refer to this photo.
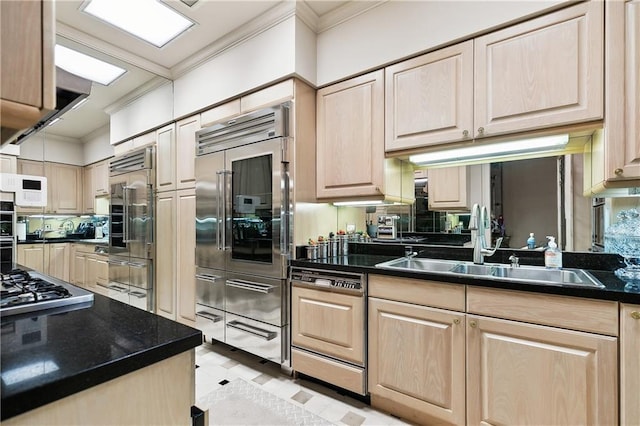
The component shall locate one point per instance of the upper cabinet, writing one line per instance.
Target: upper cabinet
(350, 143)
(542, 73)
(186, 151)
(28, 72)
(96, 184)
(612, 159)
(64, 186)
(166, 158)
(429, 99)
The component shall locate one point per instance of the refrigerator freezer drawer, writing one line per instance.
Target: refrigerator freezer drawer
(255, 297)
(211, 322)
(258, 338)
(210, 287)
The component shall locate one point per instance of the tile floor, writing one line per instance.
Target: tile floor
(220, 363)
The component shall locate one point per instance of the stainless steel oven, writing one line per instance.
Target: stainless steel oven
(243, 232)
(328, 327)
(7, 235)
(598, 224)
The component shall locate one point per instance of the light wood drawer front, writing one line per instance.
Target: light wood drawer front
(419, 292)
(333, 372)
(595, 316)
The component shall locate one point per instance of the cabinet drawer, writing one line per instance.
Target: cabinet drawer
(419, 292)
(336, 373)
(595, 316)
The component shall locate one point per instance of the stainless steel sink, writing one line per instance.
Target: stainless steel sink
(533, 274)
(419, 264)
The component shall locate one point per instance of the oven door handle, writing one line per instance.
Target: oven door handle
(209, 316)
(251, 286)
(207, 277)
(266, 335)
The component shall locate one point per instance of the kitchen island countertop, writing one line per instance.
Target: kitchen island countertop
(47, 357)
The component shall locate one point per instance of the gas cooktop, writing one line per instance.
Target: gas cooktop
(28, 291)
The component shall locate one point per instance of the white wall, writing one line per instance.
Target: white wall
(145, 113)
(258, 61)
(306, 52)
(398, 29)
(97, 146)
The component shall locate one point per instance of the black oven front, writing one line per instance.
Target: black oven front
(7, 235)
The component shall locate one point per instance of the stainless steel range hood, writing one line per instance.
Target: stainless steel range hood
(70, 90)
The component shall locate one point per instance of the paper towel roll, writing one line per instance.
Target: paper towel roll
(21, 231)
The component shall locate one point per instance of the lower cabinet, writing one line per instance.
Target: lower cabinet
(59, 254)
(32, 256)
(186, 257)
(88, 269)
(443, 354)
(51, 259)
(629, 364)
(417, 349)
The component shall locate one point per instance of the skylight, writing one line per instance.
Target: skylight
(150, 20)
(87, 66)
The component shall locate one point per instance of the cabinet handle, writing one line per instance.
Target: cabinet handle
(465, 133)
(481, 130)
(618, 171)
(635, 314)
(473, 323)
(456, 321)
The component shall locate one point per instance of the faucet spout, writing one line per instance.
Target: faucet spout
(479, 223)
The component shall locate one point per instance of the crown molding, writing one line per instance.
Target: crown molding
(307, 15)
(132, 96)
(267, 20)
(109, 49)
(345, 13)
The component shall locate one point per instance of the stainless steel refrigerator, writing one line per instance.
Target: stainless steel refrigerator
(243, 232)
(131, 241)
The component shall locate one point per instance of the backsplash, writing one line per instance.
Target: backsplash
(59, 226)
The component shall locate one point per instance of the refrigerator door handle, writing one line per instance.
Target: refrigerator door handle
(219, 210)
(226, 210)
(125, 215)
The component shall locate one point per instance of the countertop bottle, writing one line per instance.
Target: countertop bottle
(531, 241)
(552, 255)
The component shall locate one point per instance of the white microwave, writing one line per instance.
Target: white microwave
(31, 191)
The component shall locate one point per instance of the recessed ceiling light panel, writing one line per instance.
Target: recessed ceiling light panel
(87, 66)
(150, 20)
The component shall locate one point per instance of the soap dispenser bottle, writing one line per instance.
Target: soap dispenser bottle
(531, 242)
(552, 255)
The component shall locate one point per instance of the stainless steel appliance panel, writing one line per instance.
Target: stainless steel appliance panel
(257, 237)
(256, 337)
(119, 271)
(259, 298)
(140, 273)
(211, 322)
(210, 211)
(7, 236)
(210, 287)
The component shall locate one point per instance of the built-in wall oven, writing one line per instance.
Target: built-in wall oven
(243, 232)
(7, 235)
(328, 327)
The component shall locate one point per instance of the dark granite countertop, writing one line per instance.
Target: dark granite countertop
(363, 257)
(46, 357)
(96, 241)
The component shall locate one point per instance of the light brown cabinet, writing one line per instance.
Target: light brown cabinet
(523, 368)
(185, 256)
(448, 188)
(350, 160)
(165, 265)
(28, 71)
(186, 152)
(612, 160)
(166, 158)
(96, 184)
(429, 99)
(629, 363)
(417, 349)
(52, 259)
(8, 164)
(32, 256)
(88, 269)
(64, 186)
(545, 72)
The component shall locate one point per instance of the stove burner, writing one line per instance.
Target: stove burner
(20, 288)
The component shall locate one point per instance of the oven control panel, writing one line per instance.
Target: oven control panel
(327, 279)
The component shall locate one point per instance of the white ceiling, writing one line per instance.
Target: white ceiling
(218, 23)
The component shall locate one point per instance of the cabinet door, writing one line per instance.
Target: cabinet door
(101, 178)
(32, 168)
(88, 183)
(79, 269)
(542, 73)
(328, 322)
(350, 136)
(185, 256)
(65, 188)
(522, 374)
(165, 269)
(166, 159)
(417, 361)
(448, 188)
(59, 261)
(629, 363)
(8, 164)
(186, 152)
(429, 99)
(32, 256)
(91, 273)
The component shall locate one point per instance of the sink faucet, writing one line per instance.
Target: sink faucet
(409, 253)
(479, 223)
